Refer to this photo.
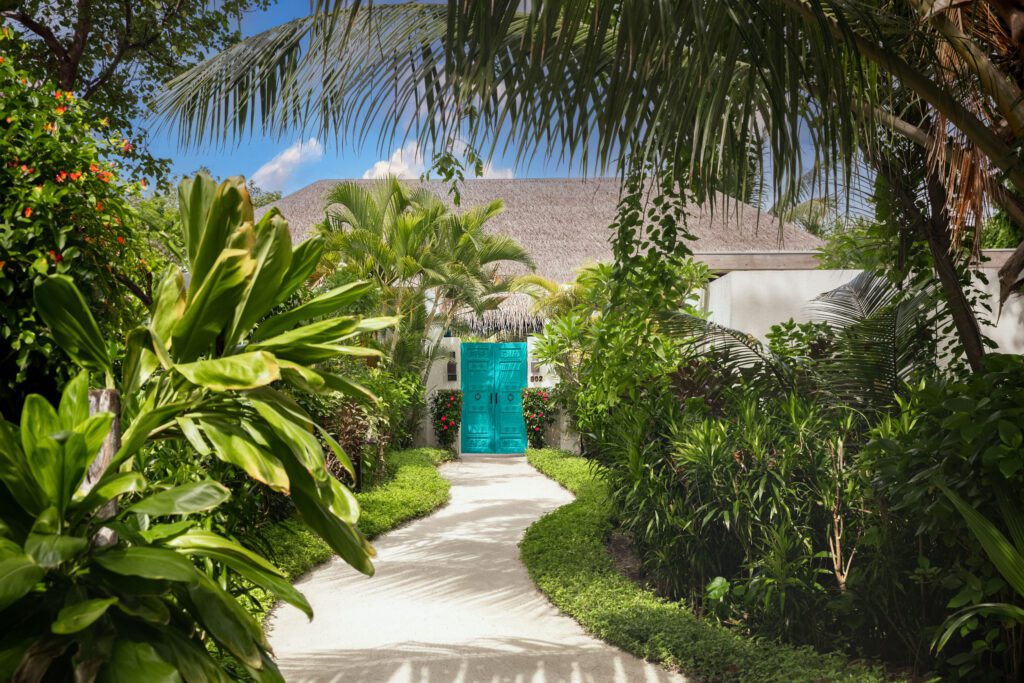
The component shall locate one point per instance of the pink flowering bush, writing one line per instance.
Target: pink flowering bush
(538, 414)
(446, 415)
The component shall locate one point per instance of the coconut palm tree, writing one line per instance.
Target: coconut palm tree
(433, 265)
(689, 86)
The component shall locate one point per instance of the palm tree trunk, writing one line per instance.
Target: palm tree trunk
(934, 229)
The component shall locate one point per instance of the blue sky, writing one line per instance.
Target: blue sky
(290, 164)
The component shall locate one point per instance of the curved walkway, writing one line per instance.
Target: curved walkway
(451, 602)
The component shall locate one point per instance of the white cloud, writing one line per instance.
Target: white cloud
(405, 162)
(275, 173)
(491, 172)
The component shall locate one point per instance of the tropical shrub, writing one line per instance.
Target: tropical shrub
(538, 414)
(88, 591)
(446, 416)
(200, 372)
(63, 210)
(950, 467)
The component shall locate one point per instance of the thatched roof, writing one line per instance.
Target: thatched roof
(564, 224)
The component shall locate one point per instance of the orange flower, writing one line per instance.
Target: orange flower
(61, 177)
(142, 183)
(93, 168)
(120, 239)
(75, 175)
(9, 119)
(50, 127)
(105, 176)
(99, 206)
(27, 213)
(61, 109)
(25, 168)
(2, 264)
(57, 94)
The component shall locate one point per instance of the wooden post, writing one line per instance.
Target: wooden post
(105, 401)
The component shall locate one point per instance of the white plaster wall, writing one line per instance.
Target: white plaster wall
(754, 300)
(438, 379)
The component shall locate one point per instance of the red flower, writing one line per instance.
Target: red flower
(55, 256)
(61, 109)
(27, 212)
(62, 176)
(120, 239)
(444, 427)
(99, 206)
(75, 175)
(536, 429)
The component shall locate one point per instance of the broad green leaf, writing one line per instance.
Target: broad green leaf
(112, 485)
(139, 360)
(346, 540)
(309, 354)
(229, 624)
(46, 460)
(74, 618)
(186, 499)
(148, 607)
(1000, 551)
(74, 402)
(952, 625)
(302, 377)
(16, 473)
(338, 451)
(192, 661)
(161, 532)
(295, 432)
(148, 420)
(348, 387)
(51, 550)
(39, 421)
(195, 196)
(133, 661)
(232, 373)
(273, 254)
(63, 309)
(95, 430)
(168, 302)
(319, 332)
(17, 577)
(235, 446)
(200, 541)
(148, 563)
(305, 259)
(229, 209)
(76, 461)
(212, 307)
(328, 303)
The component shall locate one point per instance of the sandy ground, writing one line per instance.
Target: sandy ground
(451, 602)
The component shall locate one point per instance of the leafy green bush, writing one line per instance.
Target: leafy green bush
(958, 444)
(565, 555)
(538, 414)
(446, 416)
(63, 210)
(87, 590)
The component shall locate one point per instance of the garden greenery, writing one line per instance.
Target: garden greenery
(64, 209)
(847, 486)
(202, 375)
(446, 416)
(538, 414)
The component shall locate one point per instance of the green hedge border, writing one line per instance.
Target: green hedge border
(565, 555)
(414, 488)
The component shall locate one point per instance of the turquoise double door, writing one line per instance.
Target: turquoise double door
(493, 377)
